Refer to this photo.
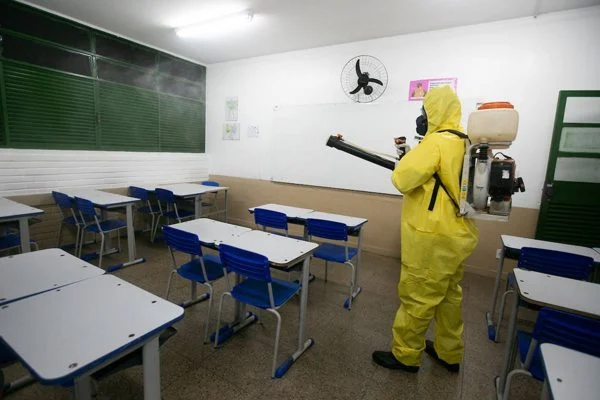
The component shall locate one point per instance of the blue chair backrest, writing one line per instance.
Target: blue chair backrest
(86, 207)
(138, 193)
(165, 195)
(210, 183)
(568, 330)
(244, 262)
(184, 242)
(62, 200)
(271, 219)
(327, 229)
(556, 263)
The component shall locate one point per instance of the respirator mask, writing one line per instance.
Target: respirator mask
(421, 122)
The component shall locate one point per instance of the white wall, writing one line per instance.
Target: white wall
(25, 172)
(525, 61)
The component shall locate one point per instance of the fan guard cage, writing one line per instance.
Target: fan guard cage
(350, 78)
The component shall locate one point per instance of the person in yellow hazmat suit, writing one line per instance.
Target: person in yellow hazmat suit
(434, 240)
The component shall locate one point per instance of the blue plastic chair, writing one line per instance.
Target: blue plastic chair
(257, 288)
(12, 241)
(87, 213)
(203, 269)
(276, 222)
(342, 254)
(146, 209)
(66, 206)
(549, 262)
(265, 219)
(213, 202)
(557, 327)
(167, 207)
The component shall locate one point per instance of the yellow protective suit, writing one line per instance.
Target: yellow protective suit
(434, 243)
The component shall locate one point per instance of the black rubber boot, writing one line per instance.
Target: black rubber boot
(429, 349)
(387, 360)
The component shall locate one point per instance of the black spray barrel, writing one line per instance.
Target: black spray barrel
(338, 143)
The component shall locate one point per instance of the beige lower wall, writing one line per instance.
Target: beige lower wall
(381, 234)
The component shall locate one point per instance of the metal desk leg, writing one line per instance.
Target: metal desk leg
(509, 351)
(489, 316)
(151, 359)
(108, 249)
(24, 233)
(226, 205)
(197, 206)
(303, 302)
(194, 299)
(82, 389)
(303, 344)
(130, 243)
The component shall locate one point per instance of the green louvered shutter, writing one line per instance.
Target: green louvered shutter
(128, 118)
(2, 134)
(48, 109)
(181, 124)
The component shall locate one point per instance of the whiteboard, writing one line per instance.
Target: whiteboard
(298, 152)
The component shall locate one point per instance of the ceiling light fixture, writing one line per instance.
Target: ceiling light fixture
(217, 26)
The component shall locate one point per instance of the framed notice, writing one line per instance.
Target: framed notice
(231, 131)
(418, 89)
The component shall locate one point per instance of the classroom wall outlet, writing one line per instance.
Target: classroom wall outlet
(498, 253)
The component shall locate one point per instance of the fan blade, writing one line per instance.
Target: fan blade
(358, 67)
(376, 81)
(356, 90)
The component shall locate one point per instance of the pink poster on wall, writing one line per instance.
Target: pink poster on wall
(419, 88)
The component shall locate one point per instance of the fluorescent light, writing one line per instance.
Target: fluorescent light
(218, 26)
(204, 14)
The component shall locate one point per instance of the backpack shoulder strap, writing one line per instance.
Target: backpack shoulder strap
(457, 133)
(436, 188)
(438, 180)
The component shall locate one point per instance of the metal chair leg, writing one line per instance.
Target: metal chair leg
(501, 312)
(101, 249)
(169, 284)
(81, 240)
(509, 377)
(210, 300)
(352, 283)
(219, 319)
(77, 239)
(152, 228)
(60, 235)
(277, 334)
(156, 226)
(326, 267)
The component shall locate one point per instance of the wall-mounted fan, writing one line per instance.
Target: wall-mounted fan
(364, 79)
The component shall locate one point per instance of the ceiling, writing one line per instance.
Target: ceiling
(286, 25)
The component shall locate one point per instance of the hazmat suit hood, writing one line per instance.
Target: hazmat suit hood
(443, 110)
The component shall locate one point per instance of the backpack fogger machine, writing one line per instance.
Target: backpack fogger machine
(488, 178)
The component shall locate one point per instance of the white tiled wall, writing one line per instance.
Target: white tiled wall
(24, 172)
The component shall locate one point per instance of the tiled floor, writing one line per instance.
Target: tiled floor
(338, 366)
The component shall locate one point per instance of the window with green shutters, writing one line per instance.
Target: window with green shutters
(67, 86)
